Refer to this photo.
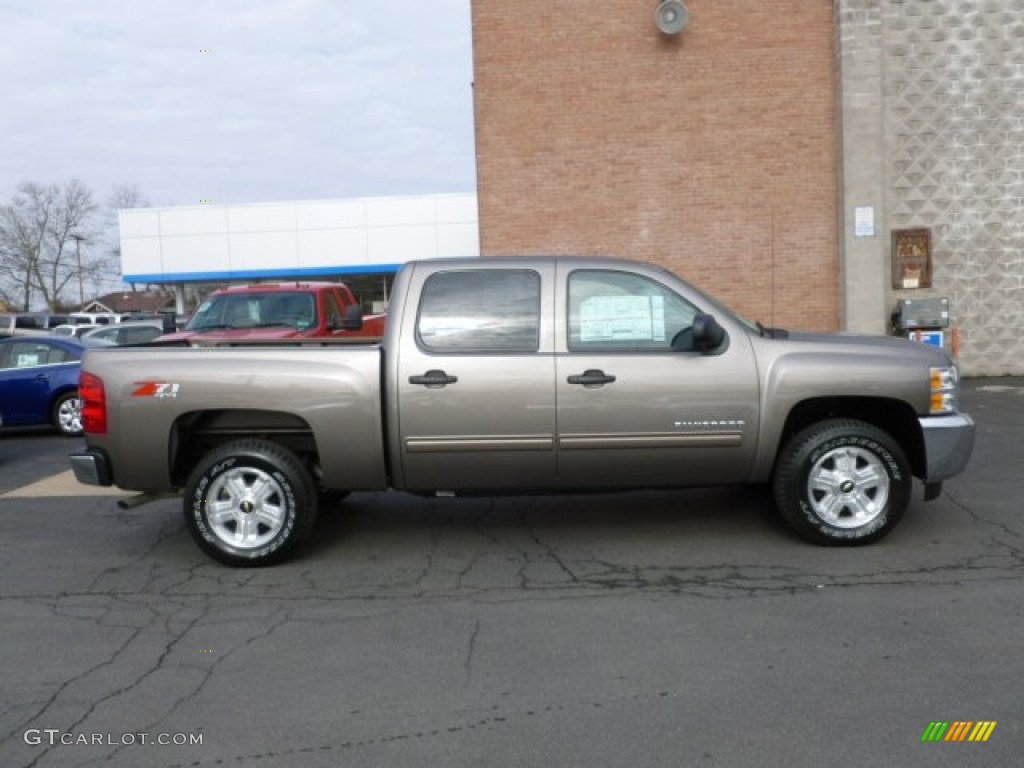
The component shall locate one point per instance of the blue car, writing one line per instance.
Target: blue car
(39, 382)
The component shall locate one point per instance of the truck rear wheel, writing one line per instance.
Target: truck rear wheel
(842, 482)
(249, 503)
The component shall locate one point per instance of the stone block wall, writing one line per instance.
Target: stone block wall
(954, 149)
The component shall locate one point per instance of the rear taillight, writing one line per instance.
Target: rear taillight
(94, 404)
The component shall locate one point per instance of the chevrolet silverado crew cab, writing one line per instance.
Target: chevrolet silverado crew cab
(270, 311)
(527, 375)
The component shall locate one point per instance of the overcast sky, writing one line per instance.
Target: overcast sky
(296, 99)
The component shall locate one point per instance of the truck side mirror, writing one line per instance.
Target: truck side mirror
(353, 318)
(708, 336)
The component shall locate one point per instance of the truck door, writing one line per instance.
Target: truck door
(475, 380)
(636, 410)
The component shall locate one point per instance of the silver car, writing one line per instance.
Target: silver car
(129, 332)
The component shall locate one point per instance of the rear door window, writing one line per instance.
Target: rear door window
(480, 310)
(31, 355)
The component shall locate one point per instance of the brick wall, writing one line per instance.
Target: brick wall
(713, 152)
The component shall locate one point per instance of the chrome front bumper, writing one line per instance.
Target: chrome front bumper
(948, 442)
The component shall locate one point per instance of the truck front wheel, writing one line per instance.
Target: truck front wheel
(249, 503)
(842, 482)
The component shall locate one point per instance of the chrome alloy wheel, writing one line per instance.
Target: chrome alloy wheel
(245, 508)
(848, 487)
(69, 416)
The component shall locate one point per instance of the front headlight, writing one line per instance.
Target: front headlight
(945, 396)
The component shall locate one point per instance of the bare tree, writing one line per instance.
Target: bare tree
(18, 254)
(125, 196)
(21, 238)
(38, 229)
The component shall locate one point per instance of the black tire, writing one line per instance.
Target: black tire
(842, 482)
(266, 498)
(66, 414)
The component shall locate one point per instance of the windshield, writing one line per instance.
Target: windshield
(269, 309)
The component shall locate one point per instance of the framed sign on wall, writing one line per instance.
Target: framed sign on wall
(912, 258)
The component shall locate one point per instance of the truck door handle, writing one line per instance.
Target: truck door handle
(591, 377)
(433, 379)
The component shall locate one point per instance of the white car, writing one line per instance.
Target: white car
(95, 318)
(29, 323)
(67, 329)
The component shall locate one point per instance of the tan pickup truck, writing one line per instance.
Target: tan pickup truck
(526, 375)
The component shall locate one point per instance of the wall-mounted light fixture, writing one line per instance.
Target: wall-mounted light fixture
(671, 17)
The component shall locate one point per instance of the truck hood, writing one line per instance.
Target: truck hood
(886, 346)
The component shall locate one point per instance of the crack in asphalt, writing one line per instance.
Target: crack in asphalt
(206, 673)
(145, 599)
(51, 701)
(166, 531)
(153, 668)
(1003, 528)
(584, 574)
(547, 549)
(471, 650)
(489, 718)
(188, 600)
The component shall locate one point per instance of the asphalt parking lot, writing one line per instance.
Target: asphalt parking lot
(648, 629)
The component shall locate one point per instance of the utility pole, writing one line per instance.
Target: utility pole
(78, 254)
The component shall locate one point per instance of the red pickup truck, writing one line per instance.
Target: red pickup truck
(280, 311)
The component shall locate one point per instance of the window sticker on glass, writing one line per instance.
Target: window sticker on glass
(622, 318)
(28, 360)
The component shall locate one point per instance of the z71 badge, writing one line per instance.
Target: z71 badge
(157, 389)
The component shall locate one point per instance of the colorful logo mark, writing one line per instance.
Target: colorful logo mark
(959, 730)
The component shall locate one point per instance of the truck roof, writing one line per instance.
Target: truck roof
(304, 286)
